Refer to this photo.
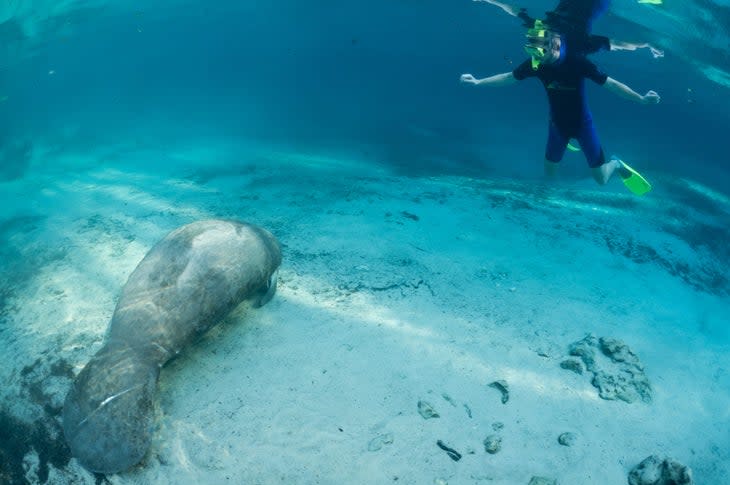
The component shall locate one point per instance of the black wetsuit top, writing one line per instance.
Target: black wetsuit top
(564, 83)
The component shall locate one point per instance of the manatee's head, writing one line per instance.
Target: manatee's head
(107, 416)
(270, 253)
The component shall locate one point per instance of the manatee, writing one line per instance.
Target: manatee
(187, 283)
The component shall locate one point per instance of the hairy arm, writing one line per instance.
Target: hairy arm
(503, 79)
(619, 88)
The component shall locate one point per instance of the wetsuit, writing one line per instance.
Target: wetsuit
(577, 15)
(573, 19)
(570, 117)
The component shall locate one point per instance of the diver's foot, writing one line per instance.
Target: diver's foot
(621, 169)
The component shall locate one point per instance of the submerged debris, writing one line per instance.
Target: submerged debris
(453, 454)
(378, 442)
(543, 481)
(410, 216)
(426, 410)
(566, 439)
(468, 410)
(448, 399)
(502, 387)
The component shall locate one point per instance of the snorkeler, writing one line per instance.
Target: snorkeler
(564, 80)
(573, 19)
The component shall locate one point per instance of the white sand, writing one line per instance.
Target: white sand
(376, 311)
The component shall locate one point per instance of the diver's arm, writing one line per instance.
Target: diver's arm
(651, 97)
(509, 9)
(620, 45)
(504, 79)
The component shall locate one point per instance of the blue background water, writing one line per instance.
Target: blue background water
(379, 79)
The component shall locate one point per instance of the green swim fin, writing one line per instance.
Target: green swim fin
(633, 179)
(572, 147)
(651, 2)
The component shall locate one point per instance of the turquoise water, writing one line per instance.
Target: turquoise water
(333, 123)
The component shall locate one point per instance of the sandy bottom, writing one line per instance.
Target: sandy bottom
(393, 290)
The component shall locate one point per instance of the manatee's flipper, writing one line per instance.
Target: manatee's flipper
(267, 292)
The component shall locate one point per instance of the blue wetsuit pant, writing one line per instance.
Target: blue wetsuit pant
(585, 135)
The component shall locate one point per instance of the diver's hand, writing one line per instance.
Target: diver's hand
(656, 52)
(468, 78)
(651, 97)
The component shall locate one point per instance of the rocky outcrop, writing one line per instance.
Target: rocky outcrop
(656, 471)
(617, 371)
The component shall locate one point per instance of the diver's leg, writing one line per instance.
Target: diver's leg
(581, 13)
(591, 146)
(554, 150)
(603, 172)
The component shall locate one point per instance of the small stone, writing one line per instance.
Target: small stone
(543, 481)
(426, 410)
(502, 387)
(378, 442)
(567, 439)
(572, 365)
(440, 481)
(497, 426)
(492, 444)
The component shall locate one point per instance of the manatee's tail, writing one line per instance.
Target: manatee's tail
(107, 415)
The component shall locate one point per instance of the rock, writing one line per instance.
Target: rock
(566, 439)
(585, 350)
(617, 351)
(497, 426)
(426, 410)
(502, 387)
(440, 481)
(625, 386)
(492, 444)
(572, 365)
(617, 371)
(378, 442)
(543, 481)
(656, 471)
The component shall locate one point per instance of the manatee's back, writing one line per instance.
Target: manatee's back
(191, 280)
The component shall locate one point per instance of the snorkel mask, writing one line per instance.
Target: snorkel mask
(539, 44)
